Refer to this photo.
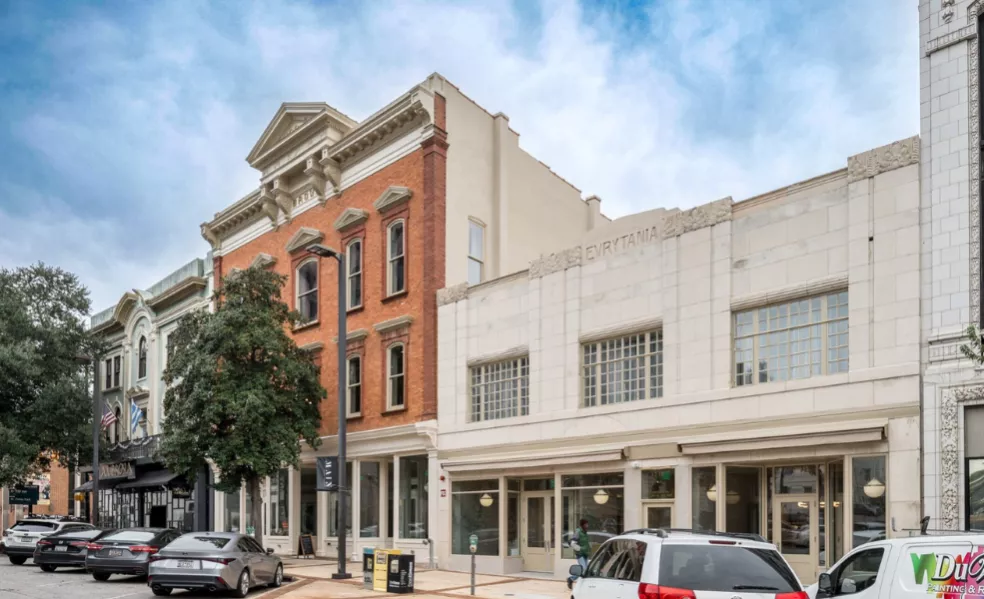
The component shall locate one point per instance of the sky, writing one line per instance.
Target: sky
(125, 125)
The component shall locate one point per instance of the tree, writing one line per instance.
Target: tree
(974, 348)
(240, 394)
(45, 404)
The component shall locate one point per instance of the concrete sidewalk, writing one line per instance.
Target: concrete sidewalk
(314, 582)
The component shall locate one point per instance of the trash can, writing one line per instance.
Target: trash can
(399, 574)
(367, 567)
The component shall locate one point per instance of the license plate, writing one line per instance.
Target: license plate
(61, 548)
(115, 553)
(24, 539)
(186, 563)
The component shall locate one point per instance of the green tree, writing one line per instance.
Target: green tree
(240, 394)
(45, 404)
(973, 349)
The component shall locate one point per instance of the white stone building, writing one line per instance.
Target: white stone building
(953, 388)
(744, 366)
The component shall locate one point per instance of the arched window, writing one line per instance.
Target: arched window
(353, 255)
(396, 376)
(307, 291)
(396, 258)
(142, 359)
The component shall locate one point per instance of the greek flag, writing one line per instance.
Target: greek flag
(135, 415)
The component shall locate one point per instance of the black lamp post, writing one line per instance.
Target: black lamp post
(327, 252)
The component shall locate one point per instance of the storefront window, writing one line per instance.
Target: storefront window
(279, 503)
(597, 498)
(333, 506)
(248, 513)
(413, 497)
(835, 512)
(475, 511)
(369, 499)
(309, 500)
(512, 524)
(232, 501)
(704, 497)
(796, 480)
(743, 505)
(658, 484)
(869, 499)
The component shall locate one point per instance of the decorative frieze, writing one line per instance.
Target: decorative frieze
(678, 223)
(549, 264)
(881, 160)
(950, 39)
(450, 295)
(973, 108)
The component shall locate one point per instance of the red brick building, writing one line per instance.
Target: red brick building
(431, 191)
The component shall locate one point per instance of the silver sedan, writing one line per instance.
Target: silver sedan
(214, 561)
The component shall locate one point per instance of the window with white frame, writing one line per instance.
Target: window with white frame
(624, 369)
(108, 384)
(354, 383)
(117, 367)
(142, 359)
(476, 253)
(307, 291)
(396, 258)
(792, 340)
(500, 389)
(353, 256)
(396, 376)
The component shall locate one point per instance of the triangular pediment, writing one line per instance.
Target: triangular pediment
(350, 218)
(290, 118)
(391, 198)
(304, 237)
(262, 261)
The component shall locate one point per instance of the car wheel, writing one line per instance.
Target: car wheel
(17, 560)
(278, 577)
(100, 576)
(161, 592)
(47, 568)
(242, 587)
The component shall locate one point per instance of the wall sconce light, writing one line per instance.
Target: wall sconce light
(601, 497)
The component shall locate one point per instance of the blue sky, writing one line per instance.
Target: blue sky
(124, 125)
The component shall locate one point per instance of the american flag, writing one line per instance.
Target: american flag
(108, 418)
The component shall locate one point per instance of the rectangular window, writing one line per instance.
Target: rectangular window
(475, 511)
(307, 291)
(333, 507)
(743, 503)
(354, 382)
(413, 497)
(597, 498)
(658, 484)
(704, 498)
(396, 377)
(476, 253)
(396, 259)
(232, 511)
(868, 476)
(279, 503)
(354, 257)
(792, 340)
(117, 364)
(974, 455)
(309, 500)
(109, 375)
(369, 499)
(500, 390)
(625, 369)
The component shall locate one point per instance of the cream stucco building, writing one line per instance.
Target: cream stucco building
(746, 366)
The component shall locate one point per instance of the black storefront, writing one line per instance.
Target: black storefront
(136, 490)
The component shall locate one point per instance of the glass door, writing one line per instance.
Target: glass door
(796, 533)
(538, 520)
(659, 516)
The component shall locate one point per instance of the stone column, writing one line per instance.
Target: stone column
(633, 498)
(396, 499)
(383, 501)
(356, 511)
(294, 506)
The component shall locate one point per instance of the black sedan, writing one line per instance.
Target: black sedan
(65, 549)
(126, 551)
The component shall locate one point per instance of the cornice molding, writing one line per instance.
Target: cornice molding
(883, 159)
(304, 237)
(792, 292)
(707, 215)
(304, 118)
(556, 262)
(311, 347)
(175, 294)
(243, 212)
(415, 105)
(350, 217)
(393, 324)
(262, 261)
(520, 351)
(950, 39)
(450, 295)
(973, 109)
(394, 196)
(356, 335)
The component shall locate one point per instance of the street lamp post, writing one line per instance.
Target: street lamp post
(327, 252)
(96, 425)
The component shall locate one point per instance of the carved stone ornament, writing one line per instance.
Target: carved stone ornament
(557, 262)
(450, 295)
(949, 423)
(391, 198)
(262, 261)
(975, 166)
(946, 14)
(881, 160)
(304, 237)
(349, 218)
(707, 215)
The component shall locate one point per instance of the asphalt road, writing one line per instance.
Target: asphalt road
(29, 582)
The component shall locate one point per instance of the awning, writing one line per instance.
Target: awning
(514, 462)
(157, 478)
(861, 431)
(86, 487)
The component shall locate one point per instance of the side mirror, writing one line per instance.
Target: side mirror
(576, 570)
(270, 551)
(825, 585)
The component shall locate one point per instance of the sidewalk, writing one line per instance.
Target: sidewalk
(314, 582)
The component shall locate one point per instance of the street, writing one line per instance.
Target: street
(19, 582)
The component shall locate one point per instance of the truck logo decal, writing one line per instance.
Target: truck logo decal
(950, 576)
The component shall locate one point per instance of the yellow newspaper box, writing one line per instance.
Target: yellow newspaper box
(379, 572)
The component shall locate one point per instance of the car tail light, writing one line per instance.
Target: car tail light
(652, 591)
(143, 549)
(722, 542)
(219, 560)
(44, 543)
(93, 546)
(799, 595)
(156, 557)
(79, 544)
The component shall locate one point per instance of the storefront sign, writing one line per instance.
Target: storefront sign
(24, 495)
(644, 236)
(328, 474)
(944, 574)
(117, 470)
(181, 492)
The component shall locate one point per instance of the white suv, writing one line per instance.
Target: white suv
(676, 564)
(21, 538)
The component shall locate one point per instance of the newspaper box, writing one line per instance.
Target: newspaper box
(400, 574)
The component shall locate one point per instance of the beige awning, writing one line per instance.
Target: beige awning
(515, 462)
(866, 431)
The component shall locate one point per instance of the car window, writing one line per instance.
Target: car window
(34, 527)
(601, 557)
(78, 534)
(257, 548)
(195, 542)
(633, 554)
(725, 568)
(243, 545)
(130, 536)
(859, 572)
